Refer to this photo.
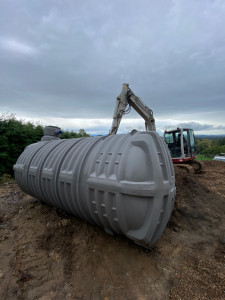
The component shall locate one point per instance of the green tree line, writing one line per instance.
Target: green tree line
(210, 147)
(15, 135)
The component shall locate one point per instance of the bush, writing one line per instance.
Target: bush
(15, 135)
(214, 150)
(210, 147)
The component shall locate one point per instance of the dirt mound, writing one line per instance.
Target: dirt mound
(48, 254)
(197, 206)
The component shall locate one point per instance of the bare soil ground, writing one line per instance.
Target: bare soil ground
(48, 254)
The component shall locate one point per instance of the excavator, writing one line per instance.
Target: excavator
(181, 141)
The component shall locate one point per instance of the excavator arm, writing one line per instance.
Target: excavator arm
(127, 97)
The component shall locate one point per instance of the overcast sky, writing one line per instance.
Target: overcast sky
(64, 62)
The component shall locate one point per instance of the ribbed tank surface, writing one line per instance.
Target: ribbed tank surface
(123, 183)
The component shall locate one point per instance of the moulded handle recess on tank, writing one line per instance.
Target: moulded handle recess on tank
(123, 183)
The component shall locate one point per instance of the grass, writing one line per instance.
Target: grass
(6, 178)
(203, 157)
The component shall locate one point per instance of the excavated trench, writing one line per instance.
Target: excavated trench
(48, 254)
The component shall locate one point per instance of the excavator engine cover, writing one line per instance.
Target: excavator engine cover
(123, 183)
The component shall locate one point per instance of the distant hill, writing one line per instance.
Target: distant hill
(198, 136)
(209, 136)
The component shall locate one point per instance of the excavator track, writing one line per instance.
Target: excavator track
(196, 165)
(186, 167)
(192, 166)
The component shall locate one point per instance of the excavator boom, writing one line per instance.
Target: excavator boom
(127, 97)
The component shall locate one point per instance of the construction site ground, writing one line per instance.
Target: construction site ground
(48, 254)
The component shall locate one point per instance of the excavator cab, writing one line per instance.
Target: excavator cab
(181, 143)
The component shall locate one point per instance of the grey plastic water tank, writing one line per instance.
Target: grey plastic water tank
(124, 183)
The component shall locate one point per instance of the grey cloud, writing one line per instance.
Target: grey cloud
(199, 127)
(70, 58)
